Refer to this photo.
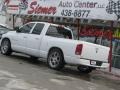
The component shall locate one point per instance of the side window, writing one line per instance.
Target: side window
(52, 31)
(59, 32)
(27, 28)
(38, 29)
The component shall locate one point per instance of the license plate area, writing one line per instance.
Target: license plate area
(98, 63)
(93, 62)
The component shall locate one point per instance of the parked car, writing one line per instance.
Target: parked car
(3, 29)
(56, 44)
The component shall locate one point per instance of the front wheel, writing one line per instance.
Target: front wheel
(6, 47)
(55, 59)
(84, 69)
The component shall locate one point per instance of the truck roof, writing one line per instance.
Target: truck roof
(52, 24)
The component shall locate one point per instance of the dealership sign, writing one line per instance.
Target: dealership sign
(90, 31)
(87, 9)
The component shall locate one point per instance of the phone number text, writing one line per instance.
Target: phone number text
(76, 13)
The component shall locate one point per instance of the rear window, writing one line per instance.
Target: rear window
(59, 32)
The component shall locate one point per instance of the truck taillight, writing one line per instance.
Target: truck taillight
(78, 50)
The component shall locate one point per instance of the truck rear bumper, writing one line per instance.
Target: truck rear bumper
(88, 63)
(76, 61)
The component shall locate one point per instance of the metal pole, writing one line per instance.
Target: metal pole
(52, 20)
(110, 56)
(13, 21)
(78, 25)
(101, 38)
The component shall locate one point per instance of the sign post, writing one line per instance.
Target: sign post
(78, 25)
(13, 21)
(110, 53)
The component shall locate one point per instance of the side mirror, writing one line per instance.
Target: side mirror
(17, 29)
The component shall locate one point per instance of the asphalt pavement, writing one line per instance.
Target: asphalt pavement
(19, 72)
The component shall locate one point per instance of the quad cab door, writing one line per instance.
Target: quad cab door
(34, 40)
(20, 38)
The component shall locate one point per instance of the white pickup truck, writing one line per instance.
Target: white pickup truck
(56, 44)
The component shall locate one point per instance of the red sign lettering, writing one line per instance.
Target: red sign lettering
(96, 33)
(37, 9)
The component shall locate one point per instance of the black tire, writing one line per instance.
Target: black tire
(6, 47)
(55, 59)
(84, 69)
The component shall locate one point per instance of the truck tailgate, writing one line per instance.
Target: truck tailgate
(95, 52)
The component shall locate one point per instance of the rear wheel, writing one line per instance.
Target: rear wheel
(6, 47)
(55, 59)
(84, 69)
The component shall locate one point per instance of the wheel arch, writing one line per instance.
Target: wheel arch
(4, 39)
(58, 49)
